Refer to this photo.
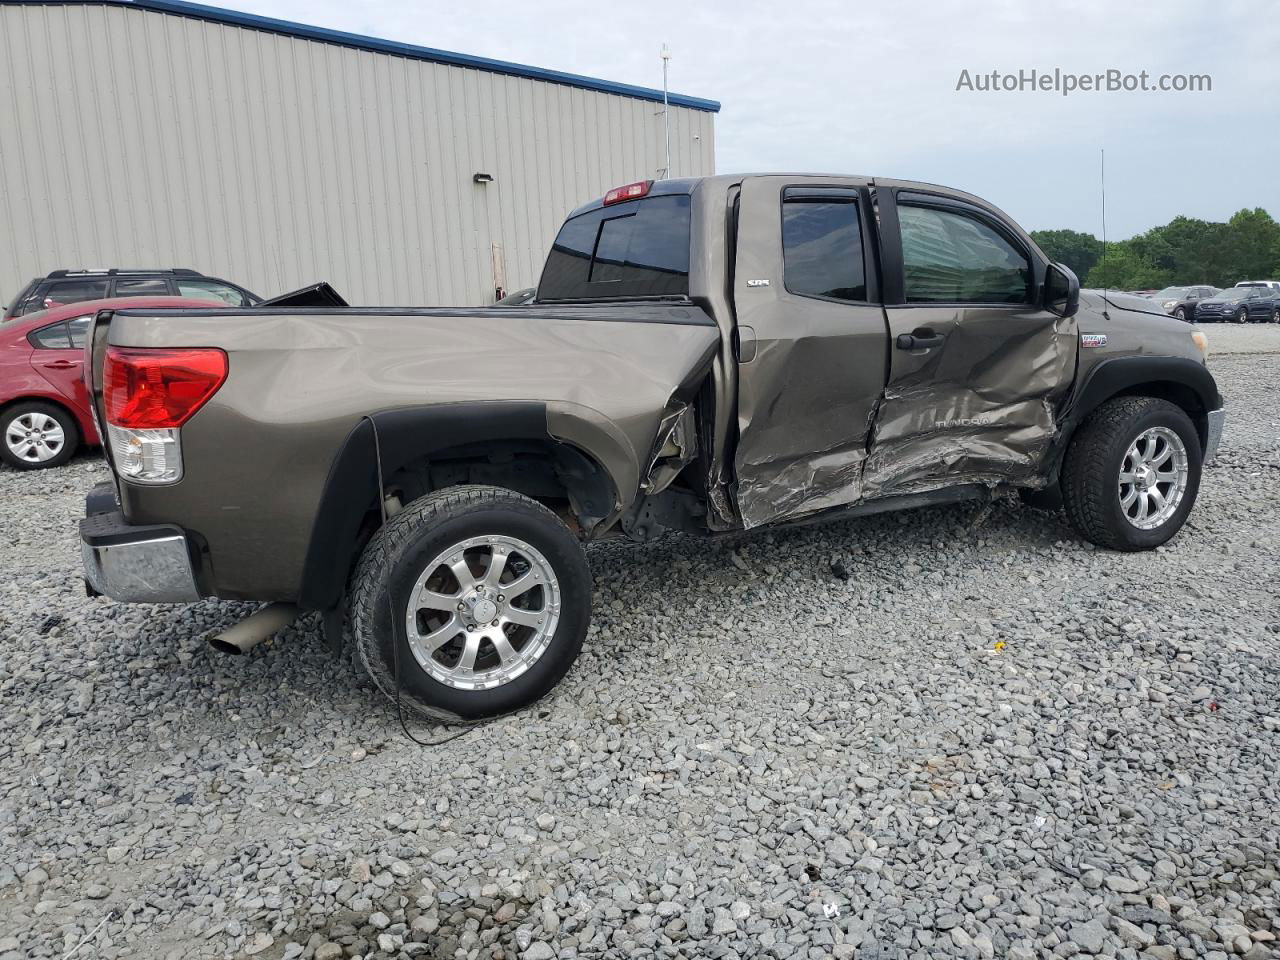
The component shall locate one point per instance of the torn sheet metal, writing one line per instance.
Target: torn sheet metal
(674, 447)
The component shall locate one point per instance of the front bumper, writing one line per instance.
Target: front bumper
(134, 564)
(1213, 434)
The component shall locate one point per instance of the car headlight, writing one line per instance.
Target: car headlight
(1170, 304)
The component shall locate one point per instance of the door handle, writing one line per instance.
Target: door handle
(61, 364)
(744, 341)
(922, 338)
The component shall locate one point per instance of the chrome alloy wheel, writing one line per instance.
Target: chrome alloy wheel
(1153, 477)
(483, 612)
(34, 437)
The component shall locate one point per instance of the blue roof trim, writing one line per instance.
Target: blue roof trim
(378, 45)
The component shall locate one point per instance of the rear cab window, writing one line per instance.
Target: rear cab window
(634, 249)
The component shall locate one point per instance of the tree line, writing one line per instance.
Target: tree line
(1184, 251)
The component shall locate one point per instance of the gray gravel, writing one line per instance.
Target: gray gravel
(989, 740)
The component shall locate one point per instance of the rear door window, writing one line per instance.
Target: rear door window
(635, 249)
(53, 337)
(77, 329)
(73, 291)
(822, 248)
(213, 291)
(142, 288)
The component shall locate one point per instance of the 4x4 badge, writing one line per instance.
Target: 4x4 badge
(1093, 339)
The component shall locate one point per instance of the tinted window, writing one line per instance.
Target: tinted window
(76, 329)
(52, 337)
(73, 291)
(949, 257)
(213, 291)
(634, 249)
(142, 288)
(822, 248)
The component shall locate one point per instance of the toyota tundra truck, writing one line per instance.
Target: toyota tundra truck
(708, 356)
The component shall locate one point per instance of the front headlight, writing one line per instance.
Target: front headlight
(1201, 341)
(1170, 304)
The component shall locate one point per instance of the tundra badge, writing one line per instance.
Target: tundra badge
(1093, 339)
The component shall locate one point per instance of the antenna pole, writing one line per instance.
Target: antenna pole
(1103, 176)
(666, 122)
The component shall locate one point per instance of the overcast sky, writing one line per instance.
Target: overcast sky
(870, 88)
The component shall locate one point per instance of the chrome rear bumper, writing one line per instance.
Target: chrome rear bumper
(136, 564)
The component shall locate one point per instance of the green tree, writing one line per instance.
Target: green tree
(1251, 240)
(1124, 268)
(1079, 251)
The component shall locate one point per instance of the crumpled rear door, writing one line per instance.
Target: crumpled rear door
(810, 368)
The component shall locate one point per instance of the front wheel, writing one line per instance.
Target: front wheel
(1180, 313)
(1275, 315)
(482, 593)
(1242, 315)
(1132, 473)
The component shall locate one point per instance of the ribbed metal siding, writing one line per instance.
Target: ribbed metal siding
(135, 138)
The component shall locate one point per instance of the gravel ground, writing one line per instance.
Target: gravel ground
(942, 733)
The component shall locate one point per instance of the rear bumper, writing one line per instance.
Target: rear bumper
(1213, 435)
(134, 564)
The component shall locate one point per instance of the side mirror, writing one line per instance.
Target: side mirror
(1061, 291)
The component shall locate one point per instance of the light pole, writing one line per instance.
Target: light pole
(666, 122)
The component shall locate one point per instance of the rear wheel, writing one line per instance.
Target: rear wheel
(1132, 473)
(483, 594)
(38, 435)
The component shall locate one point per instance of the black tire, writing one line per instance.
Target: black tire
(1091, 471)
(1242, 315)
(1180, 313)
(70, 433)
(397, 555)
(1275, 315)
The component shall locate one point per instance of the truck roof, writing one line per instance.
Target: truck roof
(689, 184)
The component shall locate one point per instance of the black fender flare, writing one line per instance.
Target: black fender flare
(403, 436)
(1130, 375)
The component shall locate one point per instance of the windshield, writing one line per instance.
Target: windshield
(1235, 293)
(1171, 293)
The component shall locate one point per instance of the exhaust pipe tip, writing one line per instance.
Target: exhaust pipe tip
(252, 630)
(222, 646)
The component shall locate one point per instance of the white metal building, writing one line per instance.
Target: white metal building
(274, 154)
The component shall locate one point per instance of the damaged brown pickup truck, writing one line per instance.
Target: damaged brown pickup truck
(705, 356)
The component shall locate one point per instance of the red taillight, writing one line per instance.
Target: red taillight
(632, 191)
(156, 389)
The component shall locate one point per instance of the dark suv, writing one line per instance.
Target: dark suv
(73, 286)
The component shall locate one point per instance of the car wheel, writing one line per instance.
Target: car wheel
(1180, 314)
(483, 595)
(1132, 473)
(38, 435)
(1242, 315)
(1275, 315)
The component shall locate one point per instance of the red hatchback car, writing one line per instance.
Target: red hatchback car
(44, 407)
